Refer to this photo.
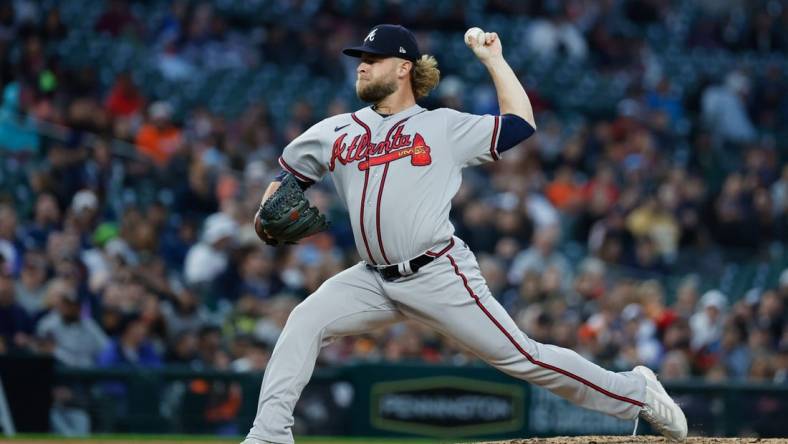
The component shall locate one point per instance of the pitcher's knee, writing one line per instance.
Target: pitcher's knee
(528, 345)
(511, 351)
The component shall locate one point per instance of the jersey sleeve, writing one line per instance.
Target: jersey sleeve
(304, 157)
(473, 139)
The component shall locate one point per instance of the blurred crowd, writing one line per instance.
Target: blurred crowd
(125, 233)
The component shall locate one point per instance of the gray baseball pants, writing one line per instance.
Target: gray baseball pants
(451, 296)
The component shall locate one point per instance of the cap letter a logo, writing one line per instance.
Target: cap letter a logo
(371, 35)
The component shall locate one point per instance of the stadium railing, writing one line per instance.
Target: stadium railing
(402, 399)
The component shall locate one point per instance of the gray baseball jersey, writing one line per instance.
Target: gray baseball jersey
(396, 174)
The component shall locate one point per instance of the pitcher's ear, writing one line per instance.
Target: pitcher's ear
(405, 67)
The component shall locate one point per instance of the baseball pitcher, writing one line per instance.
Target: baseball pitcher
(396, 167)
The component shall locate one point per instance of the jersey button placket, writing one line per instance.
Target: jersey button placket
(375, 170)
(370, 196)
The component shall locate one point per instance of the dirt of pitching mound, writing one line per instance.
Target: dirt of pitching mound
(636, 440)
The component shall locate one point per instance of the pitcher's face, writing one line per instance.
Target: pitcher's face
(376, 77)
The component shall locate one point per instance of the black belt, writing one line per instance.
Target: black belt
(391, 272)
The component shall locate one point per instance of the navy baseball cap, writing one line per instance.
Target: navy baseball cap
(387, 40)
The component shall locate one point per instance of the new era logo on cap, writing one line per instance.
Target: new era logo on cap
(389, 41)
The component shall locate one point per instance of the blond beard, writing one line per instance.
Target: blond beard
(374, 92)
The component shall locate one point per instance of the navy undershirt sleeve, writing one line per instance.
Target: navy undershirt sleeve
(514, 129)
(304, 185)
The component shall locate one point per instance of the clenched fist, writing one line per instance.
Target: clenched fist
(486, 45)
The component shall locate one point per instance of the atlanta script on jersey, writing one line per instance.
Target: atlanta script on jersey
(395, 174)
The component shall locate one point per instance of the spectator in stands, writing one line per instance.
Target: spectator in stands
(768, 103)
(589, 283)
(32, 285)
(8, 23)
(133, 348)
(182, 350)
(779, 191)
(540, 257)
(83, 215)
(782, 285)
(159, 139)
(171, 26)
(172, 64)
(652, 297)
(11, 245)
(494, 272)
(124, 100)
(675, 367)
(16, 327)
(255, 359)
(646, 261)
(219, 400)
(276, 311)
(77, 339)
(196, 197)
(564, 191)
(709, 320)
(183, 313)
(601, 192)
(109, 259)
(678, 336)
(686, 297)
(762, 368)
(733, 351)
(46, 219)
(770, 316)
(17, 132)
(733, 214)
(781, 374)
(663, 98)
(640, 332)
(209, 345)
(209, 258)
(556, 34)
(724, 109)
(475, 226)
(53, 28)
(243, 319)
(655, 219)
(256, 269)
(118, 20)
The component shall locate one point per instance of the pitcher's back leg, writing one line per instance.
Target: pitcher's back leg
(451, 296)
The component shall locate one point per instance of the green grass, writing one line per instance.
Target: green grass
(208, 438)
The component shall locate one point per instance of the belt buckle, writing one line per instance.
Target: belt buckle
(380, 271)
(393, 277)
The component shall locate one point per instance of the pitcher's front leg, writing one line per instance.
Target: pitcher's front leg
(349, 303)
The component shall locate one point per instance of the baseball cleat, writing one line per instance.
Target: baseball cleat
(255, 441)
(659, 408)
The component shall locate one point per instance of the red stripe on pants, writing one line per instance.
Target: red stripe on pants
(528, 356)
